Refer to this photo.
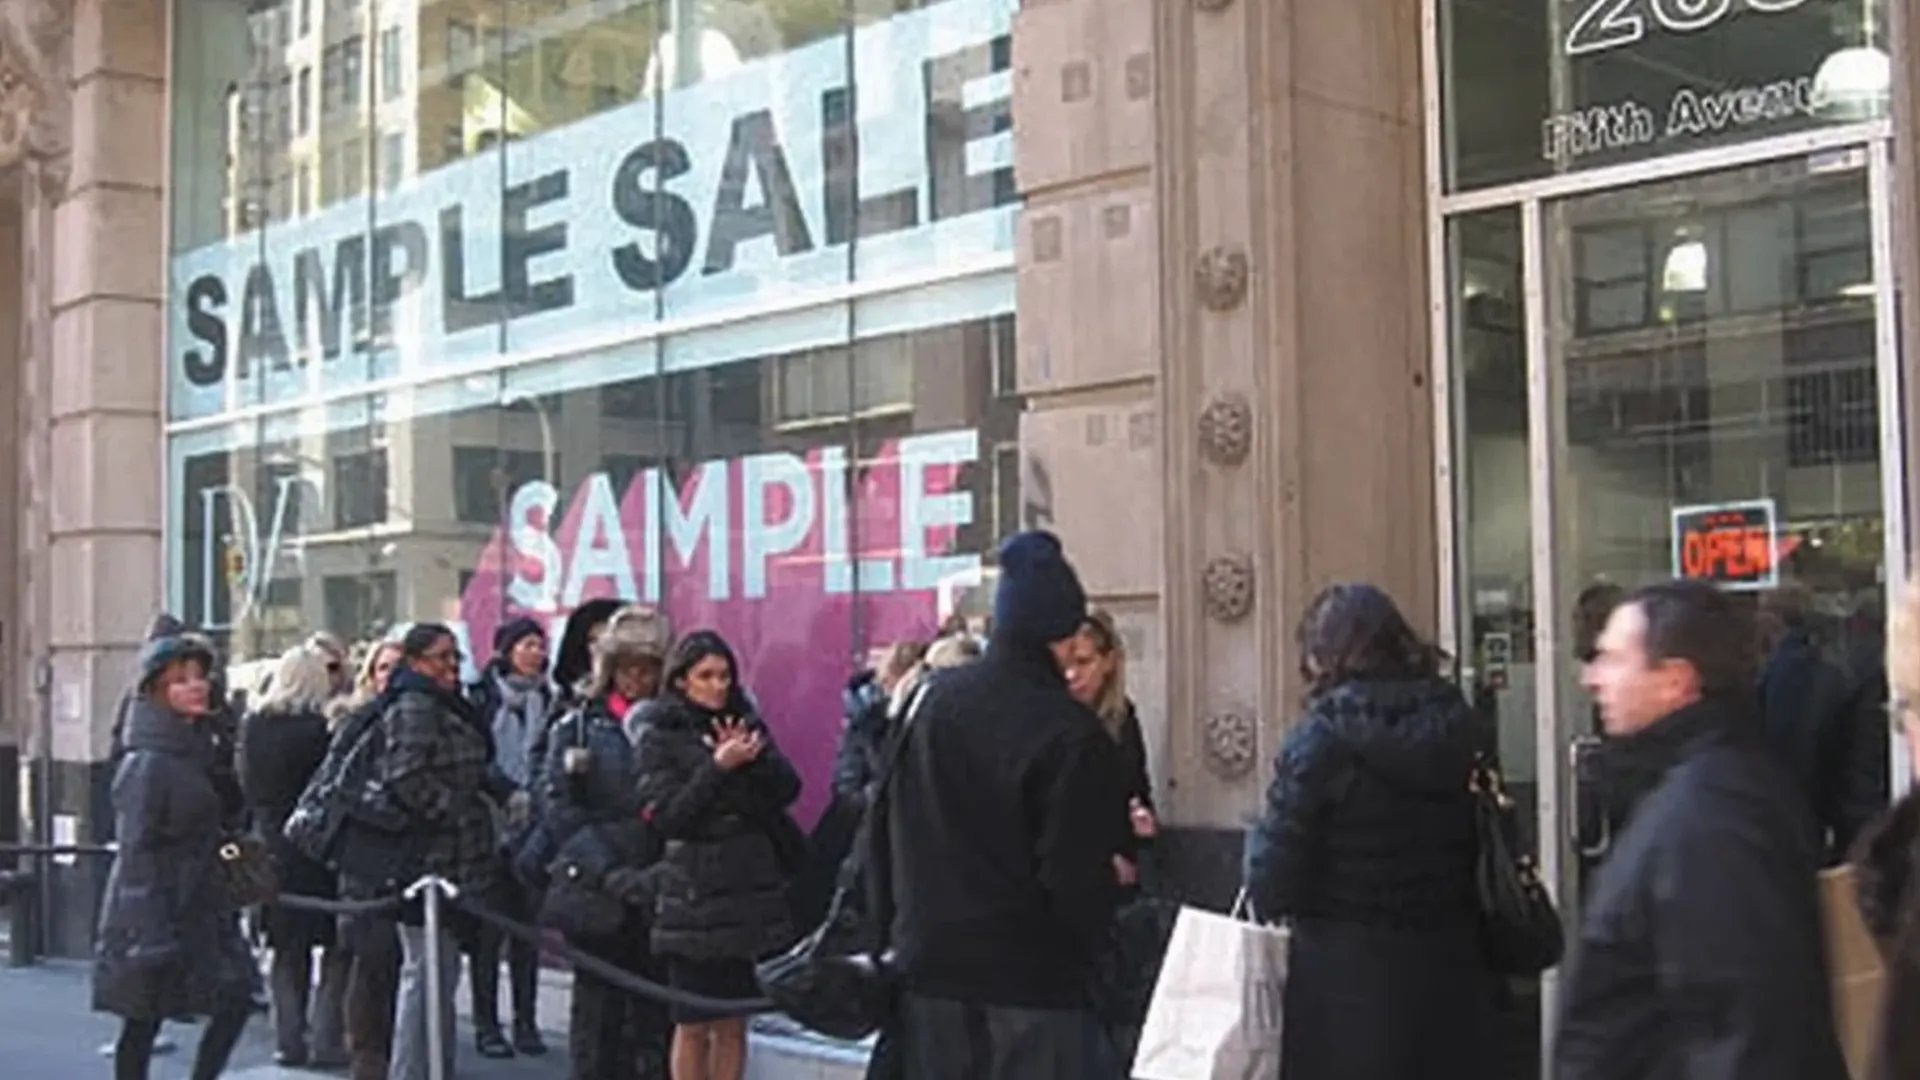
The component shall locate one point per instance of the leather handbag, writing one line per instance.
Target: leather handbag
(247, 867)
(834, 980)
(1520, 929)
(579, 903)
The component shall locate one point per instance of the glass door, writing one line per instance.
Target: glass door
(1708, 386)
(1685, 377)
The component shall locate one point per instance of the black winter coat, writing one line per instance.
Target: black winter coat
(731, 847)
(996, 872)
(279, 753)
(856, 766)
(1700, 955)
(168, 944)
(1367, 843)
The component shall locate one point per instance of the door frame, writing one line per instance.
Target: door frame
(1867, 147)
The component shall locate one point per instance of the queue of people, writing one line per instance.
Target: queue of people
(642, 808)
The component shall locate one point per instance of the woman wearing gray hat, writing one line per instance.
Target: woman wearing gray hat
(169, 945)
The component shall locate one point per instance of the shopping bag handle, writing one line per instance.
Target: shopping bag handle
(1242, 911)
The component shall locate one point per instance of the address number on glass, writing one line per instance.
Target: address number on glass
(1616, 24)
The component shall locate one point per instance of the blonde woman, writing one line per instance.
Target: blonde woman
(374, 977)
(1097, 674)
(282, 742)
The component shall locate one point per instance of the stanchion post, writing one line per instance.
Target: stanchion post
(434, 891)
(24, 929)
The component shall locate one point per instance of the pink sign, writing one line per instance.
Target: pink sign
(802, 563)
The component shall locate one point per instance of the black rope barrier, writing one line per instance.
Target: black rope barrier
(58, 850)
(618, 977)
(323, 905)
(610, 973)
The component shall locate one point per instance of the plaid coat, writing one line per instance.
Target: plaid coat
(438, 768)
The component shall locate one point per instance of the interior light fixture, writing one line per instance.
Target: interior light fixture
(1859, 290)
(717, 57)
(1853, 84)
(1686, 268)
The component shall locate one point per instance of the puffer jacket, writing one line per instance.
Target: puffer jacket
(168, 944)
(730, 845)
(1368, 845)
(856, 765)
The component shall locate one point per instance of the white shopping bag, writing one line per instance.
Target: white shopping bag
(1216, 1011)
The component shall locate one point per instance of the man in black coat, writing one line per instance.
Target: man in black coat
(1700, 954)
(995, 875)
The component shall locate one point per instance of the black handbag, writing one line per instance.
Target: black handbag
(579, 902)
(833, 981)
(1520, 929)
(247, 868)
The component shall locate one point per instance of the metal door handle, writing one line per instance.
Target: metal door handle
(1588, 827)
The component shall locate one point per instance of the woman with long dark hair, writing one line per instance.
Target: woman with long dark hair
(168, 945)
(717, 789)
(1367, 845)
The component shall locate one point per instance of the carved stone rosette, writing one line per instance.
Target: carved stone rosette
(1226, 429)
(1221, 277)
(1230, 742)
(1226, 586)
(34, 100)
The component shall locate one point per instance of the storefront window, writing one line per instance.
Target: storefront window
(698, 302)
(1533, 88)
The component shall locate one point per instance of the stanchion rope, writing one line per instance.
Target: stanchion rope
(618, 977)
(607, 972)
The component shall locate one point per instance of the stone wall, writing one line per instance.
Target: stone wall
(1222, 331)
(86, 529)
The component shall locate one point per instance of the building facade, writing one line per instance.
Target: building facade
(347, 313)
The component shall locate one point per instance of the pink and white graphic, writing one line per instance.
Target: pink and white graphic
(800, 562)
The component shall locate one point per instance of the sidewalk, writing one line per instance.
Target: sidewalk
(51, 1033)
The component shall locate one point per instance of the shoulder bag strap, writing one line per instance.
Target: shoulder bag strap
(856, 861)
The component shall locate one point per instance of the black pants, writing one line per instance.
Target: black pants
(516, 902)
(932, 1039)
(615, 1035)
(133, 1053)
(373, 981)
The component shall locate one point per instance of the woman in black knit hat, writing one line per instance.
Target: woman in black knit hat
(168, 945)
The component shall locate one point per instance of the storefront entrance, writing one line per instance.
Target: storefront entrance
(1679, 367)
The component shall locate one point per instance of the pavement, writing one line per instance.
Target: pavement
(48, 1031)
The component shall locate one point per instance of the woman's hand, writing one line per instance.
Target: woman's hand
(734, 744)
(1145, 825)
(1124, 870)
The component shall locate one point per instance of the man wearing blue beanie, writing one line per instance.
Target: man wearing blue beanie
(993, 855)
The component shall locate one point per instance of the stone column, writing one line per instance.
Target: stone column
(1222, 286)
(95, 412)
(16, 698)
(1088, 329)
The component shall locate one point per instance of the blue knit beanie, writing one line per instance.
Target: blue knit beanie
(1038, 598)
(162, 653)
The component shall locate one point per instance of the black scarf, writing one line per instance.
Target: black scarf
(1633, 765)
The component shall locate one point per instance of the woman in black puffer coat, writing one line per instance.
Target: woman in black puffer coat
(168, 946)
(717, 789)
(1368, 845)
(281, 745)
(589, 797)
